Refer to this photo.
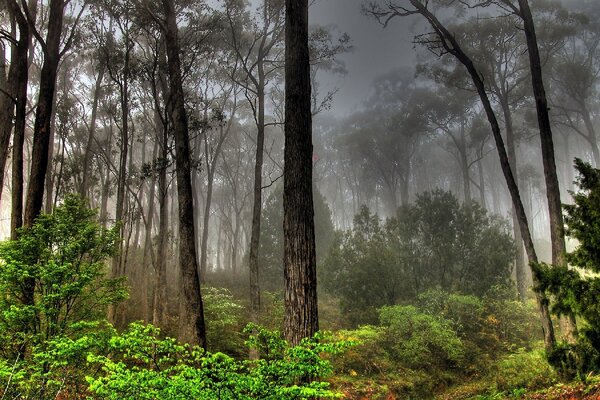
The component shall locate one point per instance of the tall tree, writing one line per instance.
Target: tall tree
(442, 41)
(192, 328)
(557, 229)
(255, 50)
(299, 257)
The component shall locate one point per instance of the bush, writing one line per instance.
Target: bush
(524, 370)
(419, 340)
(223, 314)
(142, 366)
(54, 292)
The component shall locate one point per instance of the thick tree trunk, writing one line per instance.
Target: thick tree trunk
(299, 259)
(191, 317)
(44, 112)
(453, 47)
(557, 230)
(22, 66)
(8, 97)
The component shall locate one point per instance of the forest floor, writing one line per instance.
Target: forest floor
(562, 391)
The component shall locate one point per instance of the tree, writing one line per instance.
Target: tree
(577, 289)
(299, 255)
(442, 42)
(557, 230)
(192, 327)
(256, 50)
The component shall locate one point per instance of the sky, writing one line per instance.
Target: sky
(376, 50)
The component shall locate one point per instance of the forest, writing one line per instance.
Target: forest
(294, 199)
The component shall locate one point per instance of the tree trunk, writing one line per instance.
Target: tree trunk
(160, 289)
(520, 274)
(8, 96)
(83, 191)
(557, 230)
(44, 112)
(299, 259)
(22, 66)
(191, 317)
(257, 200)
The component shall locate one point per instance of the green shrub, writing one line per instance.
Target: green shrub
(524, 370)
(142, 366)
(54, 292)
(419, 340)
(223, 314)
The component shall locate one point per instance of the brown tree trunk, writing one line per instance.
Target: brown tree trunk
(299, 259)
(453, 47)
(22, 66)
(8, 95)
(191, 318)
(557, 230)
(257, 202)
(44, 112)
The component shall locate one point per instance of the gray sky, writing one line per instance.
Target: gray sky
(377, 50)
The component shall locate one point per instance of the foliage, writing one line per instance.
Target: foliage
(578, 289)
(223, 315)
(420, 340)
(142, 366)
(56, 366)
(432, 244)
(524, 369)
(61, 259)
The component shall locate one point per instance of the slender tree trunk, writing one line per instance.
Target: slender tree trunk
(453, 47)
(299, 259)
(192, 312)
(557, 230)
(8, 96)
(589, 125)
(520, 273)
(257, 200)
(482, 201)
(87, 155)
(160, 289)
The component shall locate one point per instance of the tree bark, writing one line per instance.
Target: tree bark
(557, 230)
(44, 112)
(22, 66)
(191, 318)
(299, 259)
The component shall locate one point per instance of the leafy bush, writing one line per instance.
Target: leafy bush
(419, 340)
(142, 366)
(54, 291)
(223, 314)
(524, 370)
